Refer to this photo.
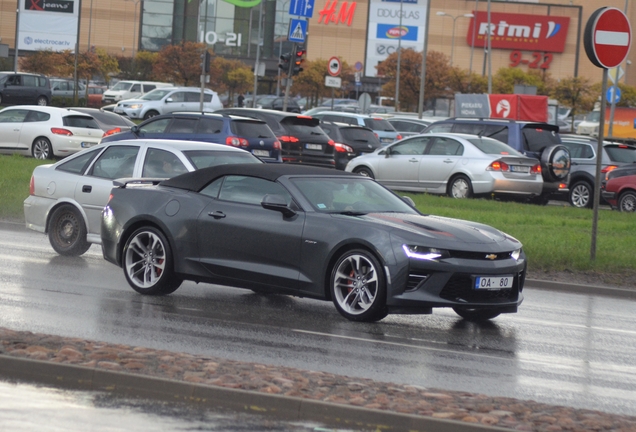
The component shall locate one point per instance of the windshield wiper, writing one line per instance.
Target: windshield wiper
(351, 213)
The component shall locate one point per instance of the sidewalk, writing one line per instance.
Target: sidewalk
(288, 393)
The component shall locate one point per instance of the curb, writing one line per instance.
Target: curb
(283, 407)
(580, 289)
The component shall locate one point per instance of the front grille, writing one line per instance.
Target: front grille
(481, 256)
(460, 289)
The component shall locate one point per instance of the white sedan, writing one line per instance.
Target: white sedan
(44, 132)
(458, 165)
(66, 198)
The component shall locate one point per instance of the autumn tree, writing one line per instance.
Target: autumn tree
(576, 93)
(504, 80)
(180, 63)
(311, 81)
(139, 68)
(464, 81)
(231, 76)
(108, 65)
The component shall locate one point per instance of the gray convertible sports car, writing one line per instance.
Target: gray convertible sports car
(310, 232)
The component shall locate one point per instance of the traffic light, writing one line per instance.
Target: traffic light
(299, 57)
(285, 60)
(205, 62)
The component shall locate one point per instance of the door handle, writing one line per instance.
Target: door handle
(448, 161)
(217, 214)
(414, 160)
(87, 189)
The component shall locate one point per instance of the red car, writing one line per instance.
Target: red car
(619, 189)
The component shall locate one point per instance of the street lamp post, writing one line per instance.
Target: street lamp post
(468, 15)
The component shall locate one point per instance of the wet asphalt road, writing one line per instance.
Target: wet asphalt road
(561, 349)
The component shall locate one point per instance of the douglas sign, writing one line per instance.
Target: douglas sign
(519, 31)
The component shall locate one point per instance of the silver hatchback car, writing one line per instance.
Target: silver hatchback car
(380, 126)
(458, 165)
(66, 198)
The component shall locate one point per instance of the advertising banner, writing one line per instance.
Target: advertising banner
(48, 25)
(393, 24)
(519, 31)
(505, 106)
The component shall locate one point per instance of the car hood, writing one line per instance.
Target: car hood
(444, 229)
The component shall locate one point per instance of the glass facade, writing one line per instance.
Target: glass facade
(229, 30)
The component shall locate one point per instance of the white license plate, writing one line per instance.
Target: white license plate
(521, 169)
(260, 152)
(87, 144)
(313, 146)
(493, 282)
(386, 140)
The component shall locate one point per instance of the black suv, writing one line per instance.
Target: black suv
(248, 134)
(350, 141)
(301, 138)
(536, 140)
(24, 89)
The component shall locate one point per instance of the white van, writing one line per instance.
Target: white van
(130, 89)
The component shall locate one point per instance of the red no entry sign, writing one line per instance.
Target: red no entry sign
(607, 37)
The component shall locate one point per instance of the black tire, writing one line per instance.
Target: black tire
(627, 201)
(477, 314)
(67, 231)
(555, 163)
(581, 194)
(364, 171)
(148, 263)
(42, 148)
(150, 114)
(358, 286)
(460, 187)
(42, 101)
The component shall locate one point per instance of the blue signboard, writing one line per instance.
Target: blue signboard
(297, 30)
(303, 8)
(613, 93)
(392, 31)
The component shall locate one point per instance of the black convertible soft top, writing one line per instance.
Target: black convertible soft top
(197, 180)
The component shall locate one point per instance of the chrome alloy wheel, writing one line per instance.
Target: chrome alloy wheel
(356, 284)
(145, 259)
(460, 188)
(580, 195)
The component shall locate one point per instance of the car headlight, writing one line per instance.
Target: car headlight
(136, 106)
(515, 254)
(425, 253)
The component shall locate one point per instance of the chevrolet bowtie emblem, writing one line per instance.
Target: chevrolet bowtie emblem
(491, 256)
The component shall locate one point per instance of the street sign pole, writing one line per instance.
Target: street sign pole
(610, 130)
(289, 76)
(597, 182)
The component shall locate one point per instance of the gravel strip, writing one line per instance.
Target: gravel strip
(509, 413)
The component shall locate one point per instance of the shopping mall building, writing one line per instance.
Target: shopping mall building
(526, 34)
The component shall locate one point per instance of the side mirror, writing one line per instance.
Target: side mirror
(387, 153)
(134, 129)
(277, 203)
(168, 100)
(408, 200)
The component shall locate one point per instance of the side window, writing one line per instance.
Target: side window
(250, 190)
(13, 116)
(442, 127)
(136, 88)
(207, 98)
(576, 150)
(29, 81)
(212, 190)
(116, 162)
(177, 97)
(157, 126)
(14, 80)
(468, 128)
(162, 163)
(192, 97)
(37, 116)
(500, 133)
(414, 146)
(78, 165)
(183, 125)
(42, 82)
(446, 147)
(148, 87)
(209, 126)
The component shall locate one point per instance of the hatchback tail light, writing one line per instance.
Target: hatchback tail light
(331, 142)
(112, 131)
(536, 169)
(609, 168)
(398, 137)
(32, 186)
(276, 145)
(498, 166)
(343, 148)
(236, 142)
(61, 131)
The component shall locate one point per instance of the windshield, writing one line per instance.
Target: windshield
(207, 158)
(594, 116)
(153, 95)
(493, 147)
(350, 196)
(122, 86)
